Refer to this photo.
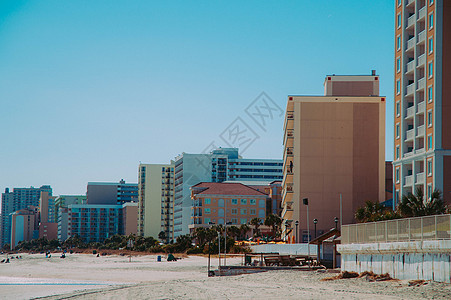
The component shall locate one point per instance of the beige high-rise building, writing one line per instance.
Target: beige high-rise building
(156, 200)
(333, 145)
(422, 139)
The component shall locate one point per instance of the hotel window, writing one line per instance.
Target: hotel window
(398, 108)
(399, 20)
(431, 21)
(207, 220)
(399, 2)
(429, 141)
(430, 93)
(397, 152)
(429, 191)
(234, 211)
(431, 45)
(207, 210)
(430, 69)
(234, 201)
(429, 167)
(398, 42)
(244, 211)
(243, 201)
(397, 175)
(398, 65)
(253, 211)
(207, 201)
(429, 118)
(397, 131)
(431, 2)
(243, 221)
(234, 220)
(398, 87)
(252, 201)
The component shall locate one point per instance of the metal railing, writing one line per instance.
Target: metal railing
(436, 227)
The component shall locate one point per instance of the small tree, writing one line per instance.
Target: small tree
(162, 236)
(256, 222)
(273, 221)
(416, 206)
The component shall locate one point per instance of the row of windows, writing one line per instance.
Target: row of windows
(234, 202)
(234, 211)
(400, 2)
(234, 221)
(430, 20)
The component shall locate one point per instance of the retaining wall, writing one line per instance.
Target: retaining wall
(426, 260)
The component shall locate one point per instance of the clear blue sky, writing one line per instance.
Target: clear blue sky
(88, 89)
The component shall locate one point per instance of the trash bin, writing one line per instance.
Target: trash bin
(159, 258)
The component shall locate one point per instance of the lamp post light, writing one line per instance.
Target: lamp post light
(297, 224)
(336, 222)
(315, 221)
(209, 251)
(305, 201)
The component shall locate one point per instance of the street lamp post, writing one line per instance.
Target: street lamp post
(209, 251)
(297, 224)
(305, 201)
(315, 221)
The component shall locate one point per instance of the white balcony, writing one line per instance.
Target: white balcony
(410, 67)
(421, 37)
(410, 134)
(419, 151)
(409, 2)
(410, 43)
(420, 131)
(422, 13)
(421, 60)
(421, 84)
(410, 89)
(419, 178)
(410, 112)
(421, 107)
(408, 180)
(411, 21)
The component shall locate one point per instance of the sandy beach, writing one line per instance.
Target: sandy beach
(85, 276)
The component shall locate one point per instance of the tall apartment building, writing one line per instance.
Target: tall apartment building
(156, 200)
(422, 141)
(333, 145)
(97, 222)
(19, 198)
(111, 192)
(61, 207)
(48, 227)
(24, 225)
(223, 164)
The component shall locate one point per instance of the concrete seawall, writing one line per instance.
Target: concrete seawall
(426, 260)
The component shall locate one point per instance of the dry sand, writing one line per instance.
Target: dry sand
(84, 276)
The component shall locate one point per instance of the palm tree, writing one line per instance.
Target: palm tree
(416, 206)
(273, 221)
(370, 212)
(244, 228)
(256, 222)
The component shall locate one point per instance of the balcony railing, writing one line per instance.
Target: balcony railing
(420, 131)
(421, 107)
(411, 21)
(422, 13)
(421, 60)
(419, 178)
(421, 84)
(410, 66)
(408, 180)
(410, 43)
(410, 134)
(410, 89)
(436, 227)
(421, 37)
(410, 112)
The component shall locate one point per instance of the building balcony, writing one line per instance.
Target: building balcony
(419, 178)
(421, 107)
(410, 112)
(410, 134)
(421, 60)
(420, 131)
(421, 84)
(422, 13)
(419, 151)
(410, 44)
(410, 89)
(408, 180)
(409, 2)
(410, 67)
(421, 37)
(411, 21)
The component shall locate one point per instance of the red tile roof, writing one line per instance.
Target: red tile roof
(221, 188)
